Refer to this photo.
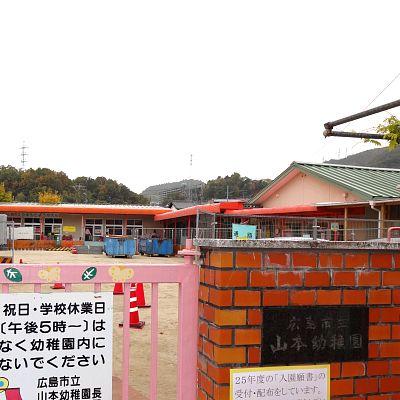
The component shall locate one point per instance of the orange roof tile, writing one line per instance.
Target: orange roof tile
(81, 208)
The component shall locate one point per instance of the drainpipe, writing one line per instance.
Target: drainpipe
(372, 205)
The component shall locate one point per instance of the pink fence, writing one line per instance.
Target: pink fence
(186, 275)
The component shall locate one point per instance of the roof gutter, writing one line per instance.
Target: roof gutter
(372, 205)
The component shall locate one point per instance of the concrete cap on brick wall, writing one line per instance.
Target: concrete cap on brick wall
(294, 244)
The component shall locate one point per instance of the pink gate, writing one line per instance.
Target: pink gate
(186, 275)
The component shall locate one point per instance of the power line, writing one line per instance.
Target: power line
(382, 90)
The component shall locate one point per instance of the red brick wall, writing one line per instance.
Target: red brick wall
(236, 284)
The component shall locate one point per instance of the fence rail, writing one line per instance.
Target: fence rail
(334, 229)
(186, 275)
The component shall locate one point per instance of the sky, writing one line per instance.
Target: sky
(129, 89)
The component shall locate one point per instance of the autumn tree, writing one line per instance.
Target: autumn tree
(49, 197)
(5, 197)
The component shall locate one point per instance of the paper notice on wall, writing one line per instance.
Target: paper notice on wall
(22, 232)
(289, 382)
(56, 346)
(69, 229)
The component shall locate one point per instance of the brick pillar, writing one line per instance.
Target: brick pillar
(236, 284)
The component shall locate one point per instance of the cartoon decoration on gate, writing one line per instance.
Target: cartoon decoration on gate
(50, 274)
(7, 393)
(120, 273)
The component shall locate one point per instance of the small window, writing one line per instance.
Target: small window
(32, 220)
(90, 221)
(15, 219)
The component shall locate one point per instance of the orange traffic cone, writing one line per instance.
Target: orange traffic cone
(118, 288)
(58, 286)
(141, 301)
(134, 321)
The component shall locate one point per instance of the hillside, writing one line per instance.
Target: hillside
(25, 185)
(233, 186)
(157, 189)
(379, 158)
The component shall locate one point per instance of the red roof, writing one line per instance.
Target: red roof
(81, 209)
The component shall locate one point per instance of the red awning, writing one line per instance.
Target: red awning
(190, 211)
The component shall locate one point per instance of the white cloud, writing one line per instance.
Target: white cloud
(128, 89)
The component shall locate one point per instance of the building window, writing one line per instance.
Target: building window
(114, 227)
(94, 230)
(17, 221)
(52, 228)
(35, 222)
(134, 227)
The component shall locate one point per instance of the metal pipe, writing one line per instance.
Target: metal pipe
(361, 135)
(13, 243)
(366, 113)
(372, 205)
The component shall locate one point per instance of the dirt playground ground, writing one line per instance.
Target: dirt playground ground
(140, 339)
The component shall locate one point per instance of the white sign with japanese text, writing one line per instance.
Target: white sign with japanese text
(56, 346)
(305, 382)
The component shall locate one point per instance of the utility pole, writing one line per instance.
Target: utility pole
(190, 175)
(23, 154)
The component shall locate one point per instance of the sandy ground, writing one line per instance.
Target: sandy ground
(140, 339)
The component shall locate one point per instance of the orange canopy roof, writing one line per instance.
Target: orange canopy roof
(187, 212)
(81, 209)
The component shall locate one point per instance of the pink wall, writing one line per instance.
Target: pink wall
(304, 189)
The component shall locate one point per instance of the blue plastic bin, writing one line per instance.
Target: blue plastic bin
(119, 246)
(142, 245)
(161, 247)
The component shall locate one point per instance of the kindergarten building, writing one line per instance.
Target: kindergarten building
(69, 224)
(364, 201)
(346, 202)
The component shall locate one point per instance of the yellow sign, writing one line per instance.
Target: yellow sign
(69, 228)
(309, 382)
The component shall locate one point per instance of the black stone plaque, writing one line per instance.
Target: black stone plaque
(295, 335)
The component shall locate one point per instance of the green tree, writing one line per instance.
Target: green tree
(390, 128)
(234, 186)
